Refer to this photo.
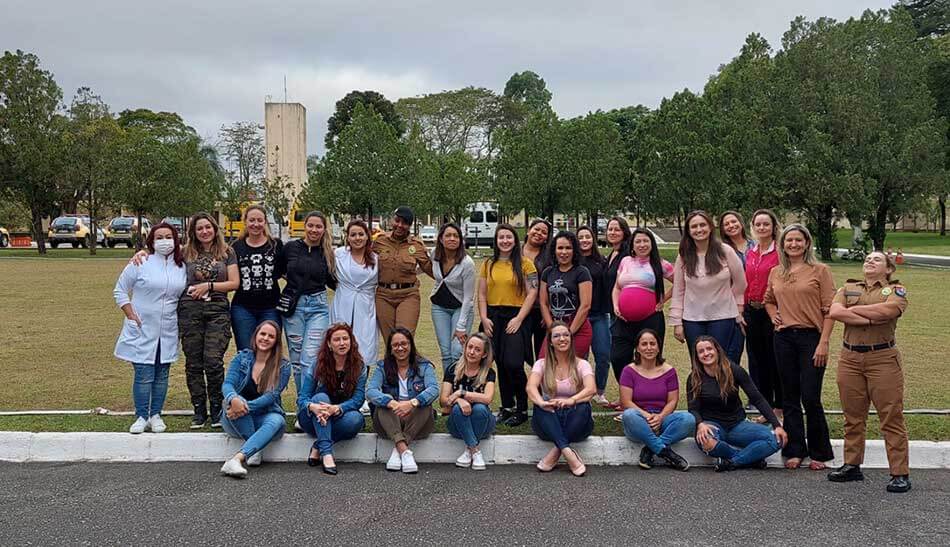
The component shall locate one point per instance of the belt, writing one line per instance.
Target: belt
(395, 286)
(756, 305)
(873, 347)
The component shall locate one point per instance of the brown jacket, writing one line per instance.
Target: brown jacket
(398, 260)
(856, 292)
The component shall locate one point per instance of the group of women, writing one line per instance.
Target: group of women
(551, 301)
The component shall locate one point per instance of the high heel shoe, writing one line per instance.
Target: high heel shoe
(329, 470)
(311, 461)
(581, 469)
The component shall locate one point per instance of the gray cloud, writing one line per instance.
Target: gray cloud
(214, 62)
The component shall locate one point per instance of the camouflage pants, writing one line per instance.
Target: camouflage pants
(205, 331)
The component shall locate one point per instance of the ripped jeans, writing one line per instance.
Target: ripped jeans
(305, 330)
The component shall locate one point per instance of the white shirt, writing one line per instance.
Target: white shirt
(153, 290)
(403, 388)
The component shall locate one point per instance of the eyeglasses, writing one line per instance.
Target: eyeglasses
(400, 344)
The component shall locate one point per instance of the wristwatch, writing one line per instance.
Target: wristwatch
(462, 393)
(414, 403)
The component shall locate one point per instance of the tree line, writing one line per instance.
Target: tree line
(844, 120)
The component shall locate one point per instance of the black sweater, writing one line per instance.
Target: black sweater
(307, 269)
(729, 412)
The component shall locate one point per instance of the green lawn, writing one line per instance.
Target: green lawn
(60, 325)
(928, 243)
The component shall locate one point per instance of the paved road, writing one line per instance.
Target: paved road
(189, 503)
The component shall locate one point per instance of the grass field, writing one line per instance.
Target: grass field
(60, 325)
(927, 243)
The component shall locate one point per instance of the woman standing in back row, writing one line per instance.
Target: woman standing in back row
(354, 300)
(260, 268)
(453, 295)
(535, 249)
(761, 258)
(708, 289)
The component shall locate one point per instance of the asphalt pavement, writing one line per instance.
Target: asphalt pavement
(282, 504)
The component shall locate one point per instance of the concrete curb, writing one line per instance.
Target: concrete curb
(367, 448)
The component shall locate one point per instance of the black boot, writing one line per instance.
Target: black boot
(216, 413)
(673, 459)
(846, 473)
(898, 484)
(201, 417)
(646, 458)
(516, 419)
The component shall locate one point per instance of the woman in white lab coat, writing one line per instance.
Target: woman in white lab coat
(354, 301)
(148, 296)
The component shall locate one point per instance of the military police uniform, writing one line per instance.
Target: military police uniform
(870, 371)
(397, 294)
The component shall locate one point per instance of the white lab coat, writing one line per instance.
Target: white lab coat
(354, 302)
(153, 289)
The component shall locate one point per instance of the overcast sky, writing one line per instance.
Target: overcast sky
(215, 62)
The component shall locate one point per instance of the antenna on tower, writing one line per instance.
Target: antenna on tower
(285, 88)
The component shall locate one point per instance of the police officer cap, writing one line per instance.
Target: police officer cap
(405, 213)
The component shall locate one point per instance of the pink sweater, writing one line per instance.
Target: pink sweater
(708, 298)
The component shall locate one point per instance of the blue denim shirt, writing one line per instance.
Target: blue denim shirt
(310, 387)
(238, 373)
(422, 386)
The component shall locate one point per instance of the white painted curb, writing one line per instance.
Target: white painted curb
(367, 448)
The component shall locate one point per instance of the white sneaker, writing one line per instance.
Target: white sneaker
(600, 399)
(156, 424)
(233, 468)
(395, 461)
(297, 426)
(478, 462)
(364, 410)
(139, 426)
(256, 459)
(409, 463)
(465, 460)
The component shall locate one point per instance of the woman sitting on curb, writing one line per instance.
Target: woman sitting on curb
(649, 391)
(252, 387)
(401, 392)
(713, 398)
(468, 388)
(561, 387)
(328, 405)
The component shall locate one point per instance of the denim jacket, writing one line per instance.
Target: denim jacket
(238, 373)
(422, 386)
(310, 387)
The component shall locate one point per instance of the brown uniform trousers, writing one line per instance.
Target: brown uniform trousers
(418, 425)
(872, 377)
(398, 263)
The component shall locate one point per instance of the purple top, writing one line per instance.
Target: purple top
(649, 393)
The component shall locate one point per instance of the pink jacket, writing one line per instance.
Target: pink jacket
(708, 298)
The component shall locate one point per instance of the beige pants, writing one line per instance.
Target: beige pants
(873, 377)
(418, 425)
(397, 307)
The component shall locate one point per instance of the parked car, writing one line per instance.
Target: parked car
(122, 229)
(428, 234)
(179, 225)
(4, 237)
(72, 229)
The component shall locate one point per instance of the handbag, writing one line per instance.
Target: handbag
(287, 302)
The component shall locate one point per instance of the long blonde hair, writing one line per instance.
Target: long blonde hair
(271, 373)
(219, 249)
(326, 242)
(550, 362)
(256, 207)
(785, 264)
(483, 366)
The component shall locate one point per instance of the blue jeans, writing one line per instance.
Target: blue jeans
(755, 442)
(245, 320)
(725, 331)
(257, 430)
(444, 320)
(600, 346)
(305, 330)
(564, 425)
(338, 428)
(149, 387)
(472, 428)
(674, 428)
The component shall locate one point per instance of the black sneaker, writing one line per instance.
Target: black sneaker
(673, 459)
(215, 416)
(516, 419)
(723, 465)
(761, 464)
(504, 414)
(646, 458)
(846, 473)
(898, 484)
(199, 421)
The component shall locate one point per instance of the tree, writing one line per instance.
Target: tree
(529, 167)
(633, 191)
(931, 17)
(595, 163)
(31, 125)
(242, 145)
(366, 170)
(372, 100)
(529, 89)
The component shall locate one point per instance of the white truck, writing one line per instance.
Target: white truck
(479, 227)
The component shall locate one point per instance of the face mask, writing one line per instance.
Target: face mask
(164, 247)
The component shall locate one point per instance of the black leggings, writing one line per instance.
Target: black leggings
(623, 338)
(511, 351)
